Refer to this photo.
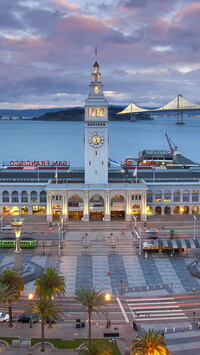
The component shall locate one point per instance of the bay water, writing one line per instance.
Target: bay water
(42, 140)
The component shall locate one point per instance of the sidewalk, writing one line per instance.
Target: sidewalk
(65, 332)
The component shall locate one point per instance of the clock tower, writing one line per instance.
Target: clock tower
(96, 132)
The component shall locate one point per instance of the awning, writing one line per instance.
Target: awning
(178, 243)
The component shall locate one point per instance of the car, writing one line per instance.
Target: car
(26, 318)
(52, 321)
(6, 228)
(152, 230)
(4, 317)
(152, 236)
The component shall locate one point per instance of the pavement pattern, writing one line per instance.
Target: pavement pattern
(118, 274)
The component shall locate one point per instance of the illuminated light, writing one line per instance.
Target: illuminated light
(107, 297)
(30, 296)
(181, 209)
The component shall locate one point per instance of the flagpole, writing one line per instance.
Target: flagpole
(38, 175)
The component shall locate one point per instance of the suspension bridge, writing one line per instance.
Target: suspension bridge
(179, 104)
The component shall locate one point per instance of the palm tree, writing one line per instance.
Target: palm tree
(149, 343)
(50, 284)
(15, 285)
(92, 301)
(6, 292)
(97, 347)
(44, 309)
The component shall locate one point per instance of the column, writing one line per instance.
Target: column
(128, 208)
(107, 206)
(49, 208)
(143, 208)
(86, 207)
(65, 207)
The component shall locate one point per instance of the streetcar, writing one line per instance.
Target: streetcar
(154, 247)
(24, 243)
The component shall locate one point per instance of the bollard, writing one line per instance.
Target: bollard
(174, 329)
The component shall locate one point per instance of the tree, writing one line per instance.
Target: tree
(15, 285)
(44, 309)
(149, 342)
(50, 283)
(92, 301)
(97, 347)
(6, 292)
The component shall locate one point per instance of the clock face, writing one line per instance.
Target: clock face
(96, 140)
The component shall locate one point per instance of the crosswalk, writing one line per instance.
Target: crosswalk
(155, 309)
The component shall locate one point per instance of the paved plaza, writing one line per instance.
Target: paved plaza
(119, 272)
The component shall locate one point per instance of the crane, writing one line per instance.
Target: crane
(171, 144)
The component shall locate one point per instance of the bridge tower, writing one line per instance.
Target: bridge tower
(179, 111)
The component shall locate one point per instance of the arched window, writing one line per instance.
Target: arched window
(33, 196)
(5, 196)
(167, 196)
(167, 210)
(195, 210)
(158, 196)
(186, 196)
(176, 196)
(195, 196)
(15, 196)
(24, 196)
(158, 210)
(43, 197)
(149, 196)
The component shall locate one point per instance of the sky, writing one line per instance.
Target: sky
(148, 51)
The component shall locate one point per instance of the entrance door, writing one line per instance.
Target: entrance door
(96, 215)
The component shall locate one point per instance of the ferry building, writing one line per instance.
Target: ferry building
(98, 192)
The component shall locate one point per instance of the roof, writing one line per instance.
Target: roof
(178, 243)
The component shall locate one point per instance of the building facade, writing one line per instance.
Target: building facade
(93, 195)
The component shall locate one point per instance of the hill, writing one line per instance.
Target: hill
(77, 114)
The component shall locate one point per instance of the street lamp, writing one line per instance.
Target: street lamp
(181, 211)
(171, 284)
(194, 235)
(107, 298)
(30, 297)
(17, 225)
(59, 240)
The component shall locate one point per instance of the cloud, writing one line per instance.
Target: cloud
(147, 50)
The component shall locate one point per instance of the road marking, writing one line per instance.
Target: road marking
(122, 309)
(151, 299)
(156, 311)
(143, 303)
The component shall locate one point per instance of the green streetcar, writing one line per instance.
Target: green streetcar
(24, 243)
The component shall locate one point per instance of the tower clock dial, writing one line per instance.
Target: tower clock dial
(96, 140)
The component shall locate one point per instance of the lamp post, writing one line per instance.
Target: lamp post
(1, 218)
(30, 297)
(171, 284)
(107, 298)
(59, 240)
(17, 225)
(181, 210)
(194, 315)
(194, 218)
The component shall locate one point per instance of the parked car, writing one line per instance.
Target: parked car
(152, 230)
(52, 321)
(152, 236)
(4, 317)
(26, 318)
(6, 228)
